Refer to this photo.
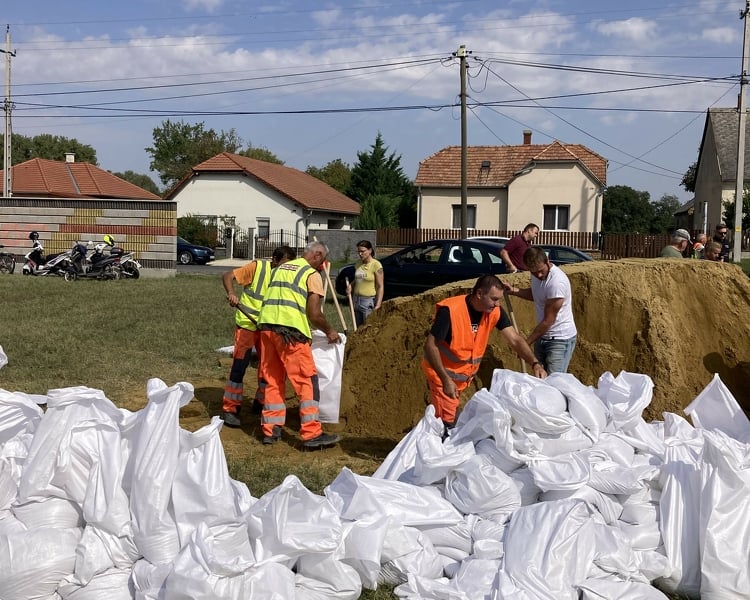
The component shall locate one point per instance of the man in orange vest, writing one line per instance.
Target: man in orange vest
(253, 277)
(458, 338)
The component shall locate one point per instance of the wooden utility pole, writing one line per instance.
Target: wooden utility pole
(461, 54)
(740, 189)
(7, 107)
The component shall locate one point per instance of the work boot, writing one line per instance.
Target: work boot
(324, 439)
(274, 437)
(231, 419)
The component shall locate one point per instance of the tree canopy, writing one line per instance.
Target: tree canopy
(46, 145)
(688, 179)
(139, 179)
(261, 154)
(729, 211)
(335, 173)
(630, 211)
(179, 146)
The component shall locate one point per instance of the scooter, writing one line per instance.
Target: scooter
(98, 266)
(129, 267)
(35, 263)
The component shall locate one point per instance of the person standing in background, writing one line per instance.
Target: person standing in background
(700, 245)
(368, 283)
(512, 252)
(253, 277)
(722, 237)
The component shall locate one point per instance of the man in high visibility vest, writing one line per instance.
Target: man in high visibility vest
(253, 277)
(292, 303)
(458, 338)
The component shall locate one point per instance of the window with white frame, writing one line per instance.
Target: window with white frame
(471, 216)
(264, 227)
(556, 217)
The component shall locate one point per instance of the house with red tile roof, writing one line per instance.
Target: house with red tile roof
(558, 186)
(43, 178)
(261, 195)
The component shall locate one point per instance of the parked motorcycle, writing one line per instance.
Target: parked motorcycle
(97, 266)
(35, 263)
(129, 267)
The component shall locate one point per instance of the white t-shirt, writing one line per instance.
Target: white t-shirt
(556, 285)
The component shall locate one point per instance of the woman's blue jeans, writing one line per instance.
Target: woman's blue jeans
(555, 354)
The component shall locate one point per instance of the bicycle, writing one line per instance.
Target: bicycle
(7, 262)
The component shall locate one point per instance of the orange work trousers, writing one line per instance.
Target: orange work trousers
(445, 406)
(295, 361)
(244, 341)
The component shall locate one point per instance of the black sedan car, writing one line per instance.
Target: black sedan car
(188, 253)
(430, 264)
(418, 268)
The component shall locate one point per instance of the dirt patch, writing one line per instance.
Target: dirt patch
(677, 321)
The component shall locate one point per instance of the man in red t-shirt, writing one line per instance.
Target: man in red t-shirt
(512, 253)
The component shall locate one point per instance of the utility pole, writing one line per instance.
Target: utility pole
(7, 107)
(740, 189)
(461, 54)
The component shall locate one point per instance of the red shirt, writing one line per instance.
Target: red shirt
(515, 249)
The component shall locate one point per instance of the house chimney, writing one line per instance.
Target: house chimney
(527, 137)
(70, 157)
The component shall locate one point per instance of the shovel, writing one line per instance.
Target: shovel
(515, 325)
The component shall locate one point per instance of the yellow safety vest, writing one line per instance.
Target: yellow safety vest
(252, 296)
(285, 302)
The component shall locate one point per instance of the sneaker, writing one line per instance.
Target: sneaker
(231, 419)
(324, 439)
(274, 437)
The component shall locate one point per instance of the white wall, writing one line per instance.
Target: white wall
(435, 207)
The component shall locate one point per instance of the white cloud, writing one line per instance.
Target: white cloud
(721, 35)
(327, 17)
(635, 29)
(207, 5)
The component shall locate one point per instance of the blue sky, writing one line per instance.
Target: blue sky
(631, 81)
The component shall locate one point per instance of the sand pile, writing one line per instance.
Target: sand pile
(676, 321)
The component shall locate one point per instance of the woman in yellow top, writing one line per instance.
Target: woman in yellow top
(368, 283)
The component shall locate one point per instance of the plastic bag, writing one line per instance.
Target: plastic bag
(329, 363)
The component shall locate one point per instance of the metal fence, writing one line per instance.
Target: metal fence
(264, 246)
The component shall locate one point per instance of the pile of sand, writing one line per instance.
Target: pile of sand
(679, 321)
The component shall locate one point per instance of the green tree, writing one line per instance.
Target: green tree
(626, 210)
(729, 212)
(179, 146)
(46, 145)
(664, 210)
(196, 231)
(139, 179)
(379, 211)
(335, 173)
(261, 154)
(688, 179)
(378, 174)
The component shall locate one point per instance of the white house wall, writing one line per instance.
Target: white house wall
(436, 207)
(247, 199)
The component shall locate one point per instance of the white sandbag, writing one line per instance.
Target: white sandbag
(484, 417)
(110, 585)
(9, 523)
(584, 406)
(3, 358)
(614, 447)
(607, 505)
(436, 458)
(716, 408)
(640, 512)
(456, 536)
(478, 487)
(358, 497)
(400, 462)
(725, 530)
(407, 550)
(533, 404)
(49, 512)
(329, 363)
(99, 551)
(290, 521)
(643, 536)
(611, 478)
(147, 579)
(18, 414)
(89, 470)
(564, 472)
(555, 444)
(361, 548)
(617, 589)
(66, 407)
(549, 548)
(487, 537)
(626, 396)
(202, 491)
(34, 562)
(154, 459)
(504, 458)
(13, 454)
(647, 438)
(679, 511)
(652, 564)
(321, 577)
(527, 488)
(422, 588)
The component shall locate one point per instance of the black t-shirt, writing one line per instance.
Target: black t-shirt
(441, 327)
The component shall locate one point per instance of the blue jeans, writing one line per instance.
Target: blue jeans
(363, 306)
(555, 354)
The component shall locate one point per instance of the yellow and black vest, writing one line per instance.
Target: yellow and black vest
(285, 302)
(253, 294)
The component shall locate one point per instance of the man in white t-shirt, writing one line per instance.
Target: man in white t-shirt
(554, 337)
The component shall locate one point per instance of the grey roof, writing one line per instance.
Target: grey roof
(725, 126)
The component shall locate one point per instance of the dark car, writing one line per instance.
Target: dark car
(564, 255)
(188, 253)
(430, 264)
